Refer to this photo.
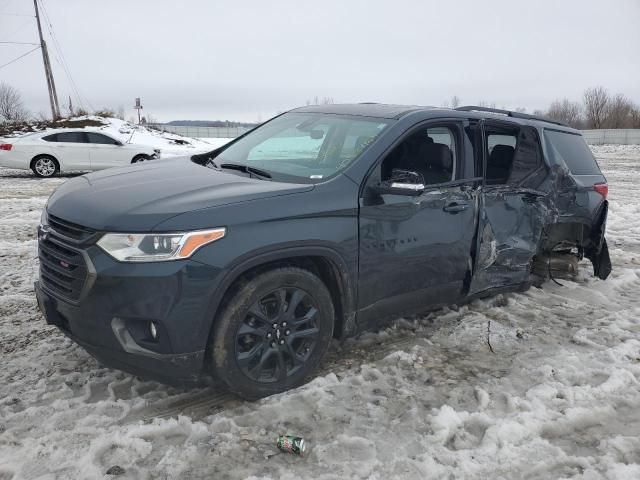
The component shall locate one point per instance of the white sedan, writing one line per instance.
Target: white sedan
(53, 151)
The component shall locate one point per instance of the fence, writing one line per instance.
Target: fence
(593, 137)
(620, 136)
(200, 132)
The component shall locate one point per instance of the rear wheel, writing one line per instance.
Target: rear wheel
(273, 332)
(140, 158)
(45, 166)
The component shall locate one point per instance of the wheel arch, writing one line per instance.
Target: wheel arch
(138, 155)
(45, 154)
(324, 262)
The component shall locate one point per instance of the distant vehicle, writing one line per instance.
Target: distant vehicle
(54, 151)
(244, 262)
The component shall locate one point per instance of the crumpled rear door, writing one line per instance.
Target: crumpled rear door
(512, 217)
(509, 232)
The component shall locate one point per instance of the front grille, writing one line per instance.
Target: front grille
(63, 270)
(69, 230)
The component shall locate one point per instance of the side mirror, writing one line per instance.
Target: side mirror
(398, 188)
(402, 182)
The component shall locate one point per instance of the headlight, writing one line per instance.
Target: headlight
(44, 218)
(148, 247)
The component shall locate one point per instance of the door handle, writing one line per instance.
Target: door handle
(455, 207)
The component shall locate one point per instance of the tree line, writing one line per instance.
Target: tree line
(597, 109)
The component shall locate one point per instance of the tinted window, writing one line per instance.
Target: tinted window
(501, 147)
(513, 155)
(429, 152)
(527, 157)
(51, 138)
(573, 151)
(71, 137)
(101, 139)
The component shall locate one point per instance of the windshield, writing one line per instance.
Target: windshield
(303, 147)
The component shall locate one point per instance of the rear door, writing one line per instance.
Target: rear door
(70, 148)
(106, 152)
(513, 208)
(415, 250)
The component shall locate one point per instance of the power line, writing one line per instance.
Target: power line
(20, 43)
(21, 56)
(60, 58)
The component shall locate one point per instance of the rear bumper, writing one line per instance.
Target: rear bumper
(13, 159)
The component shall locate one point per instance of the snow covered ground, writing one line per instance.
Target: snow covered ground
(425, 398)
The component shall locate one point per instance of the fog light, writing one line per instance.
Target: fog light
(153, 330)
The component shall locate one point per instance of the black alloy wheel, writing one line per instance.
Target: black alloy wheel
(272, 332)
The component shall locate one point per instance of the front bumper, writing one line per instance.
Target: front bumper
(112, 317)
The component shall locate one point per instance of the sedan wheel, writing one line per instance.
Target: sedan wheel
(45, 167)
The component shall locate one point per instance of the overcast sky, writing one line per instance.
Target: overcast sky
(247, 60)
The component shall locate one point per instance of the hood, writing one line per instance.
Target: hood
(137, 198)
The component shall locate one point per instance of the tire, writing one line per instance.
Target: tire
(45, 166)
(257, 348)
(140, 158)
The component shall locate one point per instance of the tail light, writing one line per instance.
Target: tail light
(6, 146)
(602, 189)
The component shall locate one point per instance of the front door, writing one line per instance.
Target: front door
(415, 250)
(105, 152)
(71, 149)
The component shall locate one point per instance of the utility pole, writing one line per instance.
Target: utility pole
(51, 86)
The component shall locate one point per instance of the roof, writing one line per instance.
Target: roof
(378, 110)
(381, 110)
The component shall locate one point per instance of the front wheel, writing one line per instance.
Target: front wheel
(45, 166)
(140, 158)
(273, 332)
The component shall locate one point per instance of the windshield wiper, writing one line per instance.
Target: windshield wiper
(246, 169)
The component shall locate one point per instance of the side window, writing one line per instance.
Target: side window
(51, 138)
(429, 152)
(101, 139)
(71, 137)
(513, 153)
(501, 146)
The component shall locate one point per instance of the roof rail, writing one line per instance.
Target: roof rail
(509, 113)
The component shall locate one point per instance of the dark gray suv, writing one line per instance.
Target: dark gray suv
(243, 263)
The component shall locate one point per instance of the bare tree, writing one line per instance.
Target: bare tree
(596, 105)
(11, 106)
(455, 101)
(635, 117)
(485, 104)
(565, 111)
(619, 112)
(317, 101)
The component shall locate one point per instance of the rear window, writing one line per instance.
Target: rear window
(573, 151)
(71, 137)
